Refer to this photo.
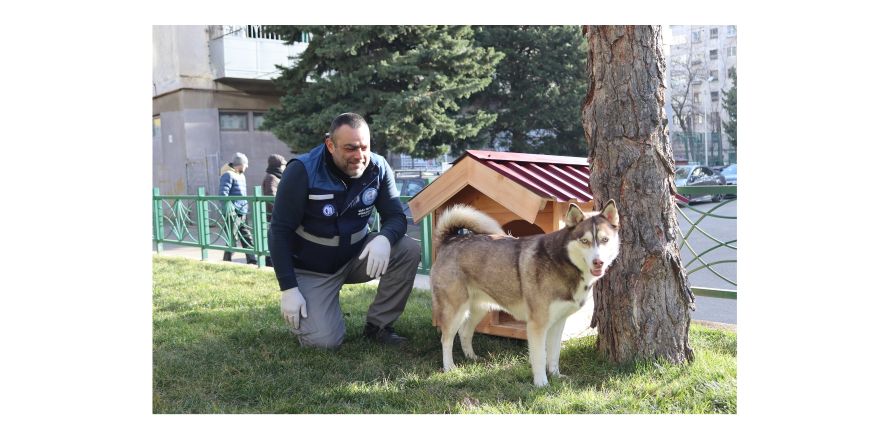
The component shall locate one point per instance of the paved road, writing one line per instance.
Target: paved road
(718, 310)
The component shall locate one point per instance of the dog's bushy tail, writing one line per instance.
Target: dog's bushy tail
(462, 216)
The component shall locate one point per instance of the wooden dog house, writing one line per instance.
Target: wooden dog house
(527, 194)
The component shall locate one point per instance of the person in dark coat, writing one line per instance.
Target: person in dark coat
(320, 238)
(232, 182)
(276, 165)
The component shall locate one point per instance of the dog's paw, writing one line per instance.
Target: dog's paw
(472, 356)
(540, 381)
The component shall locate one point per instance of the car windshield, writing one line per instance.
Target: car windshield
(730, 170)
(683, 172)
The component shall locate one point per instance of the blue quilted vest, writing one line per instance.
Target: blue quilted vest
(336, 217)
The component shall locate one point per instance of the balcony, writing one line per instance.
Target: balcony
(248, 54)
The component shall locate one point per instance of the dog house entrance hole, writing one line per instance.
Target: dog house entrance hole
(520, 228)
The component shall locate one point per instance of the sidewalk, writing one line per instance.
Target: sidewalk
(715, 312)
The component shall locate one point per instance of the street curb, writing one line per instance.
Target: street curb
(716, 325)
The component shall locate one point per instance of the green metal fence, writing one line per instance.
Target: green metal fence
(199, 221)
(698, 259)
(206, 222)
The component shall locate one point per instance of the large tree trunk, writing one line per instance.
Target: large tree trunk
(642, 304)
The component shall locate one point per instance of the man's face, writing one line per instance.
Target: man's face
(349, 148)
(240, 168)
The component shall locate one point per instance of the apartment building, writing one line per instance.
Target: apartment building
(212, 85)
(699, 59)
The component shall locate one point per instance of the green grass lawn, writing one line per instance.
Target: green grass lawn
(220, 346)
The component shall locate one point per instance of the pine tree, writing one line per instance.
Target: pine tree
(537, 90)
(730, 103)
(410, 83)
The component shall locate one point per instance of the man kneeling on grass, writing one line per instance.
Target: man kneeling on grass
(320, 240)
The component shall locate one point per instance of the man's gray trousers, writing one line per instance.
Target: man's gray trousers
(325, 325)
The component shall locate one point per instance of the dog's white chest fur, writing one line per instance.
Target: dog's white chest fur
(582, 295)
(584, 288)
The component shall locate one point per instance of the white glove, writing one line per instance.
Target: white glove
(291, 304)
(379, 251)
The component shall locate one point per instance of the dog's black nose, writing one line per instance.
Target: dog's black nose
(597, 263)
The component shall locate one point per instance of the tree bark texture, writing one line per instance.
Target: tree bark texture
(643, 303)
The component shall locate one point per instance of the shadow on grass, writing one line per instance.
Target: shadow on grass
(247, 361)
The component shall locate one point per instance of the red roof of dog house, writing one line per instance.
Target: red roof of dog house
(562, 178)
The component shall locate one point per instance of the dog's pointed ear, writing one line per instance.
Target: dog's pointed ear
(610, 212)
(574, 215)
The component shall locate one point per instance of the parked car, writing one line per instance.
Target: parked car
(730, 173)
(694, 174)
(409, 186)
(409, 183)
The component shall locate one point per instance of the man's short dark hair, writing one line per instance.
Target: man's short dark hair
(352, 120)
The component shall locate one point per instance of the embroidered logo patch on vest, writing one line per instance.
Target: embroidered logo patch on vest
(369, 196)
(329, 210)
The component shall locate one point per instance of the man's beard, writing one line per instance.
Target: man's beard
(360, 170)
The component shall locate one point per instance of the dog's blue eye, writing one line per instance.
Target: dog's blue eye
(584, 241)
(605, 240)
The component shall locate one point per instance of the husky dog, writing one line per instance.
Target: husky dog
(539, 279)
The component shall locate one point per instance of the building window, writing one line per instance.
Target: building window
(715, 96)
(696, 98)
(730, 30)
(257, 120)
(699, 119)
(714, 32)
(714, 76)
(233, 121)
(696, 36)
(731, 51)
(156, 126)
(713, 54)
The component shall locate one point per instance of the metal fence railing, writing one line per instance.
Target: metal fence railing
(201, 221)
(207, 222)
(251, 32)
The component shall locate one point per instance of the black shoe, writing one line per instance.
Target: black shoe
(226, 256)
(248, 261)
(385, 335)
